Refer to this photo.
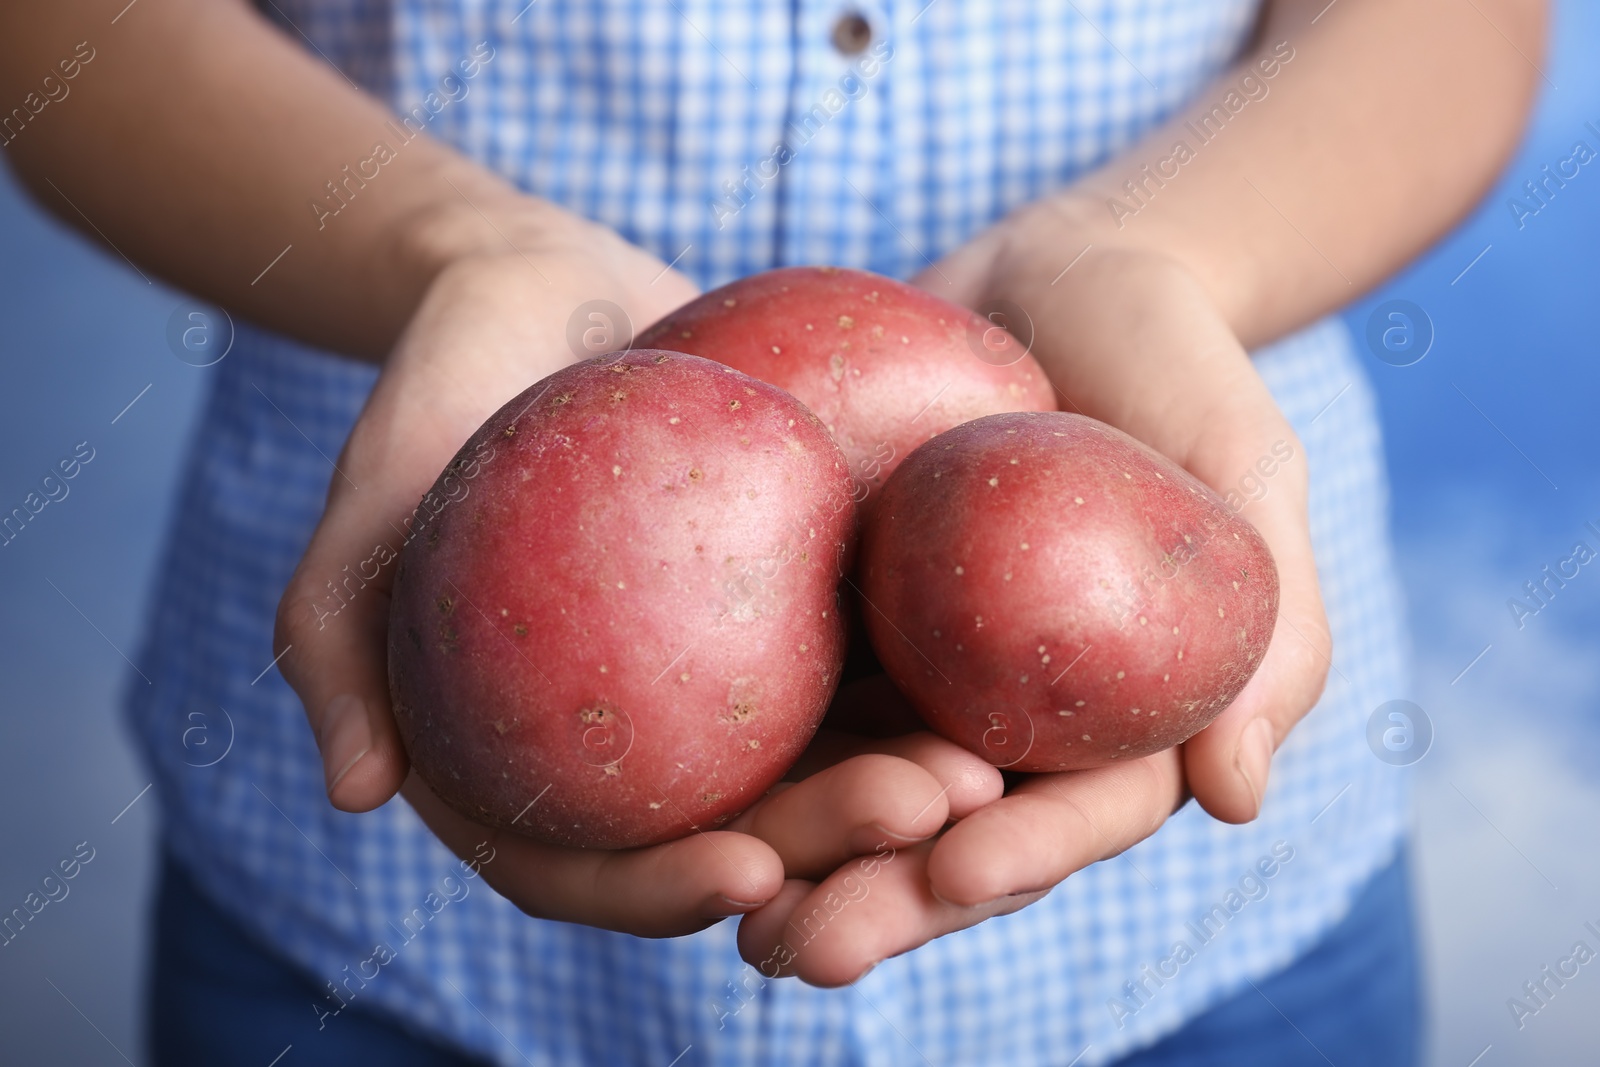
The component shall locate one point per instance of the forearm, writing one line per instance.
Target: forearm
(196, 140)
(1387, 124)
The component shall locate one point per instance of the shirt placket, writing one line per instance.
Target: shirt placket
(831, 183)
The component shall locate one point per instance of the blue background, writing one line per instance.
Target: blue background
(1508, 797)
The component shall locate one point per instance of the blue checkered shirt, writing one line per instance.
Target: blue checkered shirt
(663, 120)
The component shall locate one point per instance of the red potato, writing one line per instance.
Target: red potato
(884, 365)
(622, 625)
(1053, 595)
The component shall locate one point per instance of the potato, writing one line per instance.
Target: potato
(1054, 595)
(884, 364)
(623, 624)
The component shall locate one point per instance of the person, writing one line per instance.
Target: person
(432, 191)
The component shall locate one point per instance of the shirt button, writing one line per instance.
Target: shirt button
(852, 33)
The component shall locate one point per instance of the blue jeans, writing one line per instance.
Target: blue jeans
(1354, 1000)
(216, 996)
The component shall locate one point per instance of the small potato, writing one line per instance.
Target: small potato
(885, 365)
(1054, 595)
(622, 624)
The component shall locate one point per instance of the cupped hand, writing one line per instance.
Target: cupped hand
(1132, 338)
(849, 797)
(489, 326)
(1129, 337)
(893, 793)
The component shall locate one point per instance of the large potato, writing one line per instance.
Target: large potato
(1054, 595)
(884, 365)
(624, 626)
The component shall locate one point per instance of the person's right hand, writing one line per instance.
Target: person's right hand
(490, 326)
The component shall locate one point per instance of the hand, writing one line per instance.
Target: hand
(859, 796)
(1128, 337)
(832, 924)
(490, 325)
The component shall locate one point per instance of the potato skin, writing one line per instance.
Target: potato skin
(627, 627)
(884, 365)
(1054, 595)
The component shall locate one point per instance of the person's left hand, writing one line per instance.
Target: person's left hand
(1127, 336)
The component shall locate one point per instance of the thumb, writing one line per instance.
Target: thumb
(331, 631)
(1228, 763)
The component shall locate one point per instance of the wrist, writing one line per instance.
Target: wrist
(1062, 252)
(1124, 329)
(1082, 236)
(475, 217)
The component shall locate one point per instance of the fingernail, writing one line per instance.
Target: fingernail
(873, 837)
(870, 968)
(344, 737)
(720, 907)
(1255, 758)
(954, 904)
(993, 902)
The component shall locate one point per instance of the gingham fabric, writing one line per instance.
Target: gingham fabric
(636, 113)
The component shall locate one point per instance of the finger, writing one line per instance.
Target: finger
(761, 930)
(865, 912)
(846, 810)
(1229, 763)
(968, 780)
(330, 634)
(1051, 826)
(663, 891)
